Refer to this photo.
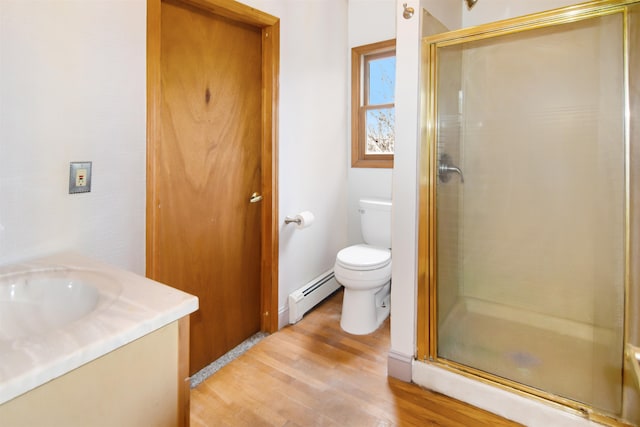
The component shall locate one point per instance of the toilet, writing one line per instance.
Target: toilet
(365, 271)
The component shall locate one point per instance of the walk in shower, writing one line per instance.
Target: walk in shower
(530, 206)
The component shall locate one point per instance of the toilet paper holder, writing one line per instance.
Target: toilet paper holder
(289, 220)
(302, 220)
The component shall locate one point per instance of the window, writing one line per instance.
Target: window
(373, 78)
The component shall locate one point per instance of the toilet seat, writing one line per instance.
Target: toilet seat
(363, 258)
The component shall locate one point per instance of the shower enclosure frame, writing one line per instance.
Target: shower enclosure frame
(427, 319)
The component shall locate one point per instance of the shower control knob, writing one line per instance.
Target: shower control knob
(446, 167)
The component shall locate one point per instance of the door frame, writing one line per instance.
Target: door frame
(270, 29)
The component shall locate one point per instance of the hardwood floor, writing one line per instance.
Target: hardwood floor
(314, 374)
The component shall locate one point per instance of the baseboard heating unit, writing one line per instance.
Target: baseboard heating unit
(304, 299)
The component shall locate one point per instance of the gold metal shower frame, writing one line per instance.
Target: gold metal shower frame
(427, 287)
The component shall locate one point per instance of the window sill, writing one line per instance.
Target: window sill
(372, 163)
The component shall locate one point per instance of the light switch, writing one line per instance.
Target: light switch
(79, 177)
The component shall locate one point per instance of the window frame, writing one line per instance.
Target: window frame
(360, 56)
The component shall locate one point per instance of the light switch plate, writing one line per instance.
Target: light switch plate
(79, 177)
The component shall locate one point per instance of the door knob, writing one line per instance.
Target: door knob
(255, 198)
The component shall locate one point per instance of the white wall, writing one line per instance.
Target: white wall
(313, 135)
(72, 87)
(370, 21)
(72, 81)
(405, 178)
(486, 11)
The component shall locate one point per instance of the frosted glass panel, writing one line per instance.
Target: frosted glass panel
(530, 208)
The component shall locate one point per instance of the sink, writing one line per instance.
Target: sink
(35, 303)
(64, 311)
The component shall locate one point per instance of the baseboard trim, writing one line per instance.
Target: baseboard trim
(283, 317)
(400, 366)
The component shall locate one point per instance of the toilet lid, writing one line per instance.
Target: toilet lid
(363, 257)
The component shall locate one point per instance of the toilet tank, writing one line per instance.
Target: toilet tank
(375, 222)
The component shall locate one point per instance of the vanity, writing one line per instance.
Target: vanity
(83, 343)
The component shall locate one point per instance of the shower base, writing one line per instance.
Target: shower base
(569, 359)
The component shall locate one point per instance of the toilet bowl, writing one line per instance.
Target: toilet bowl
(365, 304)
(365, 271)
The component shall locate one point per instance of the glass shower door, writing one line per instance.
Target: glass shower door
(530, 208)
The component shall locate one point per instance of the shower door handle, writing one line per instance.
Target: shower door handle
(445, 167)
(633, 354)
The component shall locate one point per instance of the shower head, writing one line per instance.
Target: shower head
(471, 3)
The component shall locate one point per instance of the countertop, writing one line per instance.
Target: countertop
(131, 307)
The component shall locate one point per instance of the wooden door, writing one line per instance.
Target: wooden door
(205, 230)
